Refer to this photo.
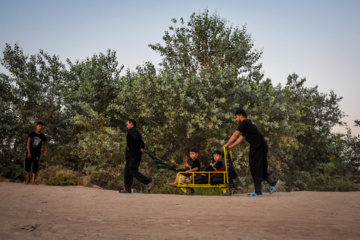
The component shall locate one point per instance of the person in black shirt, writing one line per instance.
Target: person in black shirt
(214, 166)
(185, 178)
(258, 151)
(32, 159)
(134, 150)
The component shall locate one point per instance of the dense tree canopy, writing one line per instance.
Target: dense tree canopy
(209, 70)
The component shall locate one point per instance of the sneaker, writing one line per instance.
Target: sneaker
(123, 191)
(273, 188)
(254, 194)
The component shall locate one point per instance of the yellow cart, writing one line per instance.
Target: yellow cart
(227, 185)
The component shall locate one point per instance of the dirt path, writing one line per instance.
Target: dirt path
(76, 212)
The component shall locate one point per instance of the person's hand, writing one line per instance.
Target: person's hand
(45, 153)
(211, 164)
(226, 146)
(186, 164)
(29, 155)
(142, 150)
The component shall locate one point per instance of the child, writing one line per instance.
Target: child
(195, 166)
(33, 154)
(217, 166)
(218, 155)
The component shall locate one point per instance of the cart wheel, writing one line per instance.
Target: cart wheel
(226, 191)
(188, 191)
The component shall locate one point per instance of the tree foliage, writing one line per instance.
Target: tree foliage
(209, 69)
(207, 43)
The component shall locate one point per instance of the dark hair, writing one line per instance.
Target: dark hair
(40, 123)
(132, 121)
(241, 112)
(193, 149)
(218, 152)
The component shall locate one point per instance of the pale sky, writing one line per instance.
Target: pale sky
(318, 40)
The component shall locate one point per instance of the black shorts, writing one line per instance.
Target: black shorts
(34, 162)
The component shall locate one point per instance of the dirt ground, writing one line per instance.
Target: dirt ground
(76, 212)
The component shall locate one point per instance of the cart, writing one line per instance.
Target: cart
(227, 185)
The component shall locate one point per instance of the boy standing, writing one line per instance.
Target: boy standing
(33, 154)
(195, 166)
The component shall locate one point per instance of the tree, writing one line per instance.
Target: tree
(209, 70)
(32, 92)
(319, 113)
(205, 42)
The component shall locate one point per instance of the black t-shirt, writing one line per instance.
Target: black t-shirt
(249, 130)
(218, 165)
(196, 163)
(36, 142)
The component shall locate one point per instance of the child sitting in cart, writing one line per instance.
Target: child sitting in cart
(186, 178)
(216, 166)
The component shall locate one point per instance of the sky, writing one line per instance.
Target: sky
(316, 39)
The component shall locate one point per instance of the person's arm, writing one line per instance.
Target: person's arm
(46, 149)
(136, 141)
(238, 141)
(213, 166)
(193, 170)
(142, 145)
(195, 166)
(28, 147)
(235, 135)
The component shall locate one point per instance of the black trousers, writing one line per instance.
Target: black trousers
(132, 171)
(33, 161)
(259, 164)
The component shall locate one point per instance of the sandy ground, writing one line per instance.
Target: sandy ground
(76, 212)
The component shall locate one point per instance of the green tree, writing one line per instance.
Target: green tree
(209, 70)
(206, 42)
(319, 113)
(30, 93)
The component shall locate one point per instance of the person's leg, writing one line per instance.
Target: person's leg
(28, 176)
(181, 179)
(256, 165)
(134, 171)
(128, 178)
(265, 174)
(35, 161)
(184, 179)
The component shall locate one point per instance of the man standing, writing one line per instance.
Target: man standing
(258, 152)
(134, 149)
(33, 154)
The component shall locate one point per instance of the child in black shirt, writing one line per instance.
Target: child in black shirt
(185, 178)
(33, 153)
(217, 166)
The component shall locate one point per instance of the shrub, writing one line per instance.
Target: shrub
(61, 180)
(59, 176)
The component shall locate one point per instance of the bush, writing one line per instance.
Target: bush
(59, 176)
(61, 180)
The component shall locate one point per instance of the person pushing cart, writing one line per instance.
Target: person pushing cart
(258, 152)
